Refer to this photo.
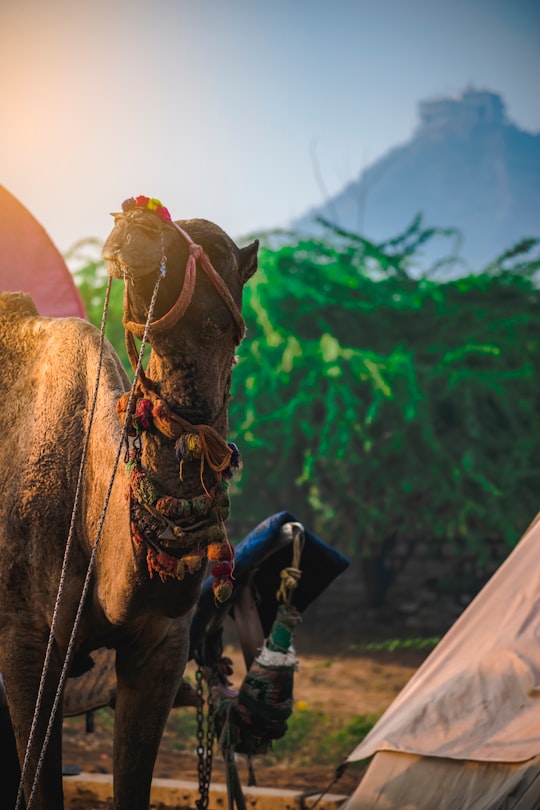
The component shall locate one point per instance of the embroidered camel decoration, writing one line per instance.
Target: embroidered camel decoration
(153, 530)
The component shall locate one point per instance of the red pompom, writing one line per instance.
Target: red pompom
(222, 569)
(143, 413)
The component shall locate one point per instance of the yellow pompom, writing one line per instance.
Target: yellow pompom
(222, 590)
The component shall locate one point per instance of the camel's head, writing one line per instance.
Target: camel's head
(145, 240)
(139, 240)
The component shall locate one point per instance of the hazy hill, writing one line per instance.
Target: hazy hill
(466, 166)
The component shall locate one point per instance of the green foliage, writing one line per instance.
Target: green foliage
(92, 279)
(373, 402)
(181, 730)
(393, 644)
(316, 738)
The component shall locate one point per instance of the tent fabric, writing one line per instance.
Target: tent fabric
(408, 782)
(30, 262)
(477, 696)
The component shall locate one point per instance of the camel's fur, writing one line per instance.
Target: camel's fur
(48, 370)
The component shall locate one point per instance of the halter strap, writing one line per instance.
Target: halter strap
(178, 309)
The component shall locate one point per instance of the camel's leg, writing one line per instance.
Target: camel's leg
(9, 763)
(148, 682)
(25, 657)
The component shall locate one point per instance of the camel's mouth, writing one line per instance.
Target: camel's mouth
(135, 247)
(118, 267)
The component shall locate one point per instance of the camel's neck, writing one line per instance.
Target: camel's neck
(178, 475)
(197, 388)
(186, 395)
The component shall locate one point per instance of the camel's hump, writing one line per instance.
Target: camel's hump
(17, 303)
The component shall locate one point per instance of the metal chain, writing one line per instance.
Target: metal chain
(205, 741)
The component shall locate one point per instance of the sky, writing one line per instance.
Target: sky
(244, 112)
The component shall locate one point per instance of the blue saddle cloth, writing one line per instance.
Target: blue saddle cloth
(259, 559)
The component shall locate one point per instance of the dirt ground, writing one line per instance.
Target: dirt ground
(341, 685)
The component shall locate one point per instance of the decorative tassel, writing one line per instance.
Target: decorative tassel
(193, 560)
(136, 536)
(142, 418)
(163, 564)
(222, 557)
(132, 462)
(222, 590)
(142, 488)
(220, 552)
(188, 447)
(222, 569)
(167, 566)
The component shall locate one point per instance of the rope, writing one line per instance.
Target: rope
(171, 318)
(214, 450)
(290, 577)
(197, 252)
(86, 585)
(340, 770)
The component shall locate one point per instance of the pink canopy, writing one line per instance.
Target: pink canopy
(30, 262)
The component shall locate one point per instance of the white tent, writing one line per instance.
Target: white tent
(464, 733)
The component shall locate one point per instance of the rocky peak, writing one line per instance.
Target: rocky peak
(458, 116)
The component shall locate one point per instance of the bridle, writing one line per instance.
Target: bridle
(178, 309)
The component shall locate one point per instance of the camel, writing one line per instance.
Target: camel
(151, 526)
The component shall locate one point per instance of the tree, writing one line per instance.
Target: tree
(385, 406)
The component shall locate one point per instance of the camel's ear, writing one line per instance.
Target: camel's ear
(248, 260)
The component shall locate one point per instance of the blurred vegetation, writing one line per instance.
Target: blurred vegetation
(380, 401)
(312, 737)
(393, 644)
(316, 738)
(91, 278)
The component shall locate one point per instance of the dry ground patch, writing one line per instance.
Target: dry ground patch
(336, 698)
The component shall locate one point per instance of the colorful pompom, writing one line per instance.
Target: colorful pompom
(142, 418)
(188, 447)
(220, 552)
(222, 569)
(150, 203)
(222, 590)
